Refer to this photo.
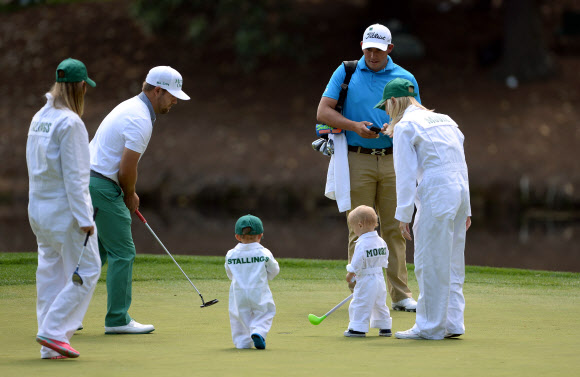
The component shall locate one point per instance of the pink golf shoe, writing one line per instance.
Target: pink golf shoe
(63, 348)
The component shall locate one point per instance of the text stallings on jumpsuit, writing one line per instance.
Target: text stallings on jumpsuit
(248, 260)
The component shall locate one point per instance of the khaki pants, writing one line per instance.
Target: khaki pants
(372, 183)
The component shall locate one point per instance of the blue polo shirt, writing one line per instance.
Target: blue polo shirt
(365, 90)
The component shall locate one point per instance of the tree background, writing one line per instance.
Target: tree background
(506, 71)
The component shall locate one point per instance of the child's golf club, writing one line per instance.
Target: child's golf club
(204, 304)
(76, 278)
(316, 320)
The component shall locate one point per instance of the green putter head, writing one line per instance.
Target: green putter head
(315, 320)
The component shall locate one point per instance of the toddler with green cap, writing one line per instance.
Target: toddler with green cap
(249, 266)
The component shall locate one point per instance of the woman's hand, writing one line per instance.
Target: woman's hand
(88, 229)
(405, 231)
(388, 130)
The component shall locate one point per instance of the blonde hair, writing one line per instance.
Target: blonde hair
(364, 215)
(397, 109)
(249, 237)
(70, 95)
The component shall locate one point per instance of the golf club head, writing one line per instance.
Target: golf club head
(209, 303)
(317, 144)
(77, 279)
(329, 147)
(315, 320)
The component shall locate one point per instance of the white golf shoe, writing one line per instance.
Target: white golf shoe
(407, 334)
(132, 327)
(408, 305)
(451, 335)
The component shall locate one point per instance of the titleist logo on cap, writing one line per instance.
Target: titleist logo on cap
(374, 35)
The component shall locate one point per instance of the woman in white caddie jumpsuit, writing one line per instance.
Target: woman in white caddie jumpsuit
(431, 175)
(60, 210)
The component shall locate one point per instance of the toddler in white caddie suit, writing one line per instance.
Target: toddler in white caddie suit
(249, 265)
(370, 256)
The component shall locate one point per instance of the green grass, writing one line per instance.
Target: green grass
(519, 323)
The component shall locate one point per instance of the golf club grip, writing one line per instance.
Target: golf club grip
(89, 233)
(87, 239)
(339, 305)
(140, 216)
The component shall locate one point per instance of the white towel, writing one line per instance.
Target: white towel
(338, 177)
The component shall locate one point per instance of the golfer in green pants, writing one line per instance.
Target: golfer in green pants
(118, 251)
(116, 149)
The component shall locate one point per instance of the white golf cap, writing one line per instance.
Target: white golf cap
(167, 78)
(377, 36)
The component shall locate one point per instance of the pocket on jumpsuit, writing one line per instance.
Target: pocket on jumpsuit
(53, 217)
(445, 200)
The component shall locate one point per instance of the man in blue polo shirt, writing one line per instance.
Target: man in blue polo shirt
(370, 157)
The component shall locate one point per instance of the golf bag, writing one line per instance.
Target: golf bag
(323, 144)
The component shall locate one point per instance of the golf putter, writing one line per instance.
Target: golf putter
(203, 303)
(316, 320)
(76, 278)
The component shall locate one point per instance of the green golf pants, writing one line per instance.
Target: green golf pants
(115, 246)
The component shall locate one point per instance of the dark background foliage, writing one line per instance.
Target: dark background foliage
(506, 71)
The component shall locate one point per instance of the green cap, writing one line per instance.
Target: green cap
(396, 88)
(249, 221)
(72, 70)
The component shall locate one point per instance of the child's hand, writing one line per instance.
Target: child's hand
(350, 277)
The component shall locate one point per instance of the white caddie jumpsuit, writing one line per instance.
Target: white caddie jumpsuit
(428, 150)
(368, 303)
(57, 155)
(252, 309)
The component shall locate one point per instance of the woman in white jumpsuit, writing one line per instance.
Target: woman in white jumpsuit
(60, 210)
(431, 175)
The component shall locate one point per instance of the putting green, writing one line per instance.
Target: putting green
(519, 323)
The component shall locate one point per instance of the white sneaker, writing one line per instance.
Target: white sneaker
(407, 334)
(408, 305)
(132, 327)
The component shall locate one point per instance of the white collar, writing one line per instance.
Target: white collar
(367, 235)
(248, 246)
